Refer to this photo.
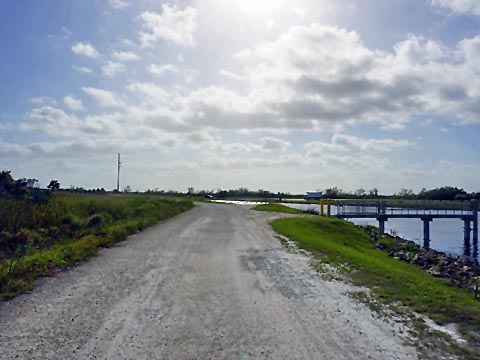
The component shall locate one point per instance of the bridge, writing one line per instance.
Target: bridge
(425, 210)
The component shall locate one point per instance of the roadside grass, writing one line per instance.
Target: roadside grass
(278, 208)
(70, 229)
(391, 282)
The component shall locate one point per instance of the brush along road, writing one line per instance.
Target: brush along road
(211, 283)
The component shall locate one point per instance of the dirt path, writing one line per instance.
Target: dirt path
(210, 283)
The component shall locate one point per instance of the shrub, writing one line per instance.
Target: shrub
(99, 219)
(39, 238)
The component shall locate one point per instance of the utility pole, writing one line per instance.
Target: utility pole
(118, 174)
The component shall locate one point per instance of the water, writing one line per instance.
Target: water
(446, 234)
(239, 202)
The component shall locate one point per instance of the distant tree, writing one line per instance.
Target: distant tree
(444, 193)
(22, 189)
(19, 188)
(360, 192)
(31, 183)
(373, 192)
(405, 193)
(127, 189)
(6, 183)
(332, 193)
(53, 185)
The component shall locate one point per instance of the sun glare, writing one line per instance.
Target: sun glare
(260, 7)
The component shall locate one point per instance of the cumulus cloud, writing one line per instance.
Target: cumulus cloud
(103, 98)
(274, 144)
(230, 75)
(85, 49)
(317, 76)
(215, 144)
(56, 122)
(80, 147)
(119, 4)
(460, 6)
(264, 144)
(50, 120)
(9, 149)
(82, 69)
(343, 164)
(125, 56)
(159, 70)
(172, 24)
(354, 144)
(73, 103)
(151, 95)
(110, 69)
(43, 100)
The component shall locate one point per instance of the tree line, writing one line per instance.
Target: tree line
(28, 189)
(441, 193)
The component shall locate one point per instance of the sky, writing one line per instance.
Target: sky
(289, 96)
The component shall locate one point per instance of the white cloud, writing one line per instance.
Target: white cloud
(110, 69)
(50, 120)
(73, 103)
(82, 146)
(318, 77)
(460, 6)
(82, 69)
(8, 149)
(150, 93)
(173, 24)
(85, 49)
(204, 141)
(43, 100)
(322, 78)
(125, 56)
(119, 4)
(274, 144)
(230, 75)
(103, 98)
(54, 121)
(162, 69)
(190, 75)
(353, 144)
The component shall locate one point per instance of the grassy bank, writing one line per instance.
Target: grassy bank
(400, 285)
(278, 208)
(38, 239)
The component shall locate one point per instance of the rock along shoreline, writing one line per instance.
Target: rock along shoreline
(461, 271)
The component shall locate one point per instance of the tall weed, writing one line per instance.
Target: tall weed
(35, 239)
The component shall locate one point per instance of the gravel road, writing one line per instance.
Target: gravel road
(212, 283)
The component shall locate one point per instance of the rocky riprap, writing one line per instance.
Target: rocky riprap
(461, 271)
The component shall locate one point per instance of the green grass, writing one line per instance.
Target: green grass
(278, 208)
(70, 229)
(341, 243)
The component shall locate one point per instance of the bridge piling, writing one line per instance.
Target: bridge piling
(381, 224)
(466, 237)
(426, 231)
(474, 208)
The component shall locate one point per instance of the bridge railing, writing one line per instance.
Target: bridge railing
(402, 207)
